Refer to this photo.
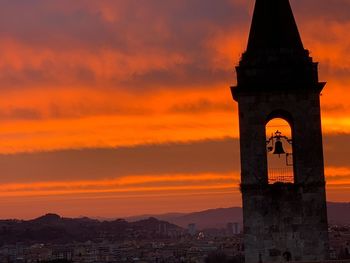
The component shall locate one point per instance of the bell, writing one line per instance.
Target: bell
(279, 148)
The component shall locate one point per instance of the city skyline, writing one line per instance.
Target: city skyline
(117, 109)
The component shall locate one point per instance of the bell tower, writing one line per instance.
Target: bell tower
(284, 209)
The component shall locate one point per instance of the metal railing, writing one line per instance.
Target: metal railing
(281, 175)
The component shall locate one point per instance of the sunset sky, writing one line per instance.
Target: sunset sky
(114, 108)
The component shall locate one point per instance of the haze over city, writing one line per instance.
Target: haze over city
(120, 108)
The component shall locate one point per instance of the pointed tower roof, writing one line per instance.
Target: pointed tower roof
(275, 58)
(273, 26)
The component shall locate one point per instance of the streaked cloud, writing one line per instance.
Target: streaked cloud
(210, 156)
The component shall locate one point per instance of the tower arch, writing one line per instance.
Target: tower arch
(279, 151)
(281, 114)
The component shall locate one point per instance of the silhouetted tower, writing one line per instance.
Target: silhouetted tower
(285, 214)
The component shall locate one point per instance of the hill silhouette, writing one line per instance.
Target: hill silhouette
(52, 228)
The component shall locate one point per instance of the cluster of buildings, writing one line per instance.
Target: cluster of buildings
(193, 247)
(187, 249)
(339, 239)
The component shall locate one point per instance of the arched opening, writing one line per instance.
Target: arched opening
(279, 151)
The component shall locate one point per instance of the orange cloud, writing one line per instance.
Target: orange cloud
(129, 184)
(78, 98)
(75, 118)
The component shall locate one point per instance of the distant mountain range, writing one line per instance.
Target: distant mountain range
(338, 213)
(52, 228)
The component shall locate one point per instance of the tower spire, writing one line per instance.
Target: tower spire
(273, 27)
(275, 58)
